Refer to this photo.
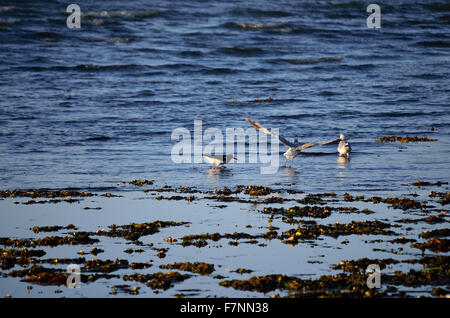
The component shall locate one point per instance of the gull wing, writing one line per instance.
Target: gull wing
(264, 130)
(328, 141)
(312, 144)
(215, 160)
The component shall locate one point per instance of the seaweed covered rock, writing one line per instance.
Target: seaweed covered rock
(196, 267)
(157, 280)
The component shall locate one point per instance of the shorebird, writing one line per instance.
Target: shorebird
(219, 160)
(294, 147)
(344, 147)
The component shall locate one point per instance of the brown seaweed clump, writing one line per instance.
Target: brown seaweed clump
(440, 292)
(436, 245)
(436, 233)
(53, 228)
(353, 284)
(397, 203)
(341, 285)
(404, 139)
(107, 266)
(94, 251)
(196, 267)
(401, 240)
(262, 284)
(420, 183)
(312, 199)
(157, 280)
(293, 236)
(360, 265)
(59, 261)
(425, 277)
(296, 211)
(77, 238)
(274, 199)
(139, 265)
(431, 261)
(125, 289)
(226, 198)
(257, 190)
(134, 231)
(225, 191)
(432, 219)
(353, 210)
(243, 271)
(46, 276)
(10, 257)
(445, 197)
(176, 198)
(200, 240)
(70, 200)
(45, 193)
(141, 182)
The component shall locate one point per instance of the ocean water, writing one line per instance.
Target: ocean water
(93, 106)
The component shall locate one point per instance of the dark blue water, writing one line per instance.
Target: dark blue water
(92, 106)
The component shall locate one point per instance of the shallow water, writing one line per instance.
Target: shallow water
(309, 259)
(97, 105)
(92, 107)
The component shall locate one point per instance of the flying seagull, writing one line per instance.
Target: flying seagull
(219, 160)
(294, 147)
(344, 147)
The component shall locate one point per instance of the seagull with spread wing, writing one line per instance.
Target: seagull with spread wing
(294, 147)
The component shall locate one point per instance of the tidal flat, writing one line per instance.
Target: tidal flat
(144, 239)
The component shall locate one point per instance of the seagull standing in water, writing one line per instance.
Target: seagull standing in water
(344, 147)
(219, 160)
(294, 147)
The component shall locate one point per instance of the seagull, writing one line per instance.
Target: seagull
(344, 147)
(294, 147)
(219, 160)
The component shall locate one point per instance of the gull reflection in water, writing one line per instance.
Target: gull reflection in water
(291, 174)
(219, 173)
(343, 162)
(253, 207)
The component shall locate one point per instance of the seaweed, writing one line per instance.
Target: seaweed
(406, 139)
(9, 257)
(157, 280)
(360, 265)
(293, 236)
(77, 238)
(196, 267)
(53, 228)
(134, 231)
(296, 211)
(106, 266)
(141, 182)
(436, 233)
(436, 245)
